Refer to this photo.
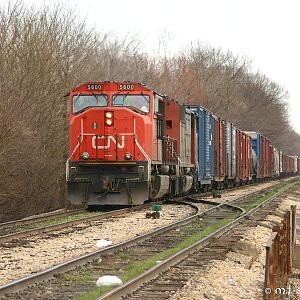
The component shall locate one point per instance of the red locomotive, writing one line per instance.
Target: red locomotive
(126, 145)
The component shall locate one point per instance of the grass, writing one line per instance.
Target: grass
(135, 269)
(83, 276)
(55, 220)
(268, 195)
(124, 256)
(95, 293)
(294, 180)
(258, 201)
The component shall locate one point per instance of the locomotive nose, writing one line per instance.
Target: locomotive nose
(109, 135)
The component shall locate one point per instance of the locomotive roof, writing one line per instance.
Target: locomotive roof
(112, 85)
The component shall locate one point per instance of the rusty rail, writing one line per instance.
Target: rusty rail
(279, 254)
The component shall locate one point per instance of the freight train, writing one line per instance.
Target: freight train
(128, 144)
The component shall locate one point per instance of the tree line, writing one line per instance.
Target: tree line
(45, 53)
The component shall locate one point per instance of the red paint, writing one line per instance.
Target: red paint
(220, 156)
(127, 124)
(172, 121)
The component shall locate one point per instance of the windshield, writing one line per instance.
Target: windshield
(81, 102)
(140, 102)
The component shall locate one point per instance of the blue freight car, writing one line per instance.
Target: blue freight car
(205, 131)
(256, 153)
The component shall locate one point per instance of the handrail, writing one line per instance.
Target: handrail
(145, 154)
(75, 149)
(82, 135)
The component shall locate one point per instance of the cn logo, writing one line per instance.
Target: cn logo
(109, 139)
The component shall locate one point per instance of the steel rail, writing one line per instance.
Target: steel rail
(239, 199)
(21, 283)
(45, 216)
(45, 229)
(59, 226)
(254, 184)
(53, 214)
(24, 282)
(152, 273)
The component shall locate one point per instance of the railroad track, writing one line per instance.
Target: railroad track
(119, 259)
(30, 255)
(31, 226)
(6, 226)
(62, 268)
(173, 273)
(14, 231)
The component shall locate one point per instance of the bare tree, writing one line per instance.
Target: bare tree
(44, 53)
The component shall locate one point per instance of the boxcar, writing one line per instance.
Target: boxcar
(287, 165)
(276, 162)
(205, 122)
(281, 162)
(246, 157)
(266, 156)
(239, 156)
(261, 155)
(219, 149)
(295, 158)
(230, 151)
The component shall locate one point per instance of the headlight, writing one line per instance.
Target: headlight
(85, 155)
(108, 115)
(127, 155)
(109, 118)
(108, 121)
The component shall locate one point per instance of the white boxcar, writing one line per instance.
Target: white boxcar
(276, 162)
(230, 150)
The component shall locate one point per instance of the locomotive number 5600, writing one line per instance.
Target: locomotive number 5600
(126, 87)
(94, 87)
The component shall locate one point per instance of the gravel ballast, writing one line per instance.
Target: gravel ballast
(241, 275)
(41, 252)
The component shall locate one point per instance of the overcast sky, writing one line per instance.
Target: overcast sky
(266, 31)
